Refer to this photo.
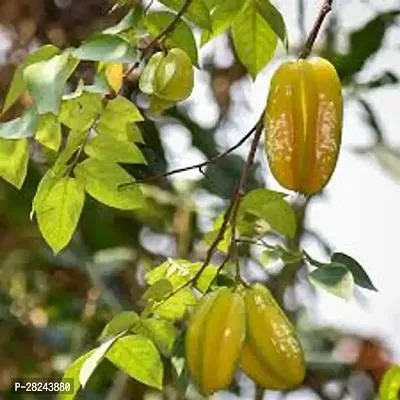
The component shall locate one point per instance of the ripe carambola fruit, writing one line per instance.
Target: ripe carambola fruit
(214, 340)
(272, 355)
(168, 78)
(303, 122)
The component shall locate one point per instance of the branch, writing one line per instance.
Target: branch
(325, 10)
(194, 166)
(230, 215)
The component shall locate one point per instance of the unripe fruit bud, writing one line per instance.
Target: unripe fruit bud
(303, 122)
(214, 340)
(272, 355)
(167, 78)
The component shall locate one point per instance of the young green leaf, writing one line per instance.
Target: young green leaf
(255, 42)
(270, 206)
(102, 179)
(125, 131)
(105, 147)
(163, 333)
(197, 11)
(93, 361)
(72, 372)
(222, 17)
(158, 290)
(59, 212)
(182, 35)
(79, 113)
(18, 86)
(361, 278)
(46, 82)
(174, 308)
(275, 20)
(14, 157)
(22, 127)
(335, 278)
(49, 131)
(104, 47)
(123, 109)
(138, 357)
(120, 323)
(50, 178)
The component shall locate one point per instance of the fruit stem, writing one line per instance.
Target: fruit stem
(325, 10)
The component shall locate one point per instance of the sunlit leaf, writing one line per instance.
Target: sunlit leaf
(255, 41)
(18, 86)
(22, 127)
(46, 81)
(101, 179)
(49, 131)
(120, 323)
(14, 157)
(138, 357)
(59, 212)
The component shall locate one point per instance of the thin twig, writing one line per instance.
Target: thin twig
(198, 166)
(325, 10)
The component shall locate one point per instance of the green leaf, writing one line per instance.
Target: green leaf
(120, 323)
(270, 206)
(129, 21)
(179, 272)
(138, 357)
(163, 333)
(22, 127)
(49, 131)
(14, 157)
(46, 82)
(225, 242)
(50, 178)
(125, 131)
(255, 42)
(102, 179)
(335, 279)
(79, 113)
(158, 290)
(105, 147)
(269, 256)
(275, 20)
(361, 278)
(182, 35)
(222, 17)
(174, 308)
(59, 212)
(18, 86)
(197, 11)
(72, 372)
(93, 361)
(123, 109)
(103, 47)
(389, 388)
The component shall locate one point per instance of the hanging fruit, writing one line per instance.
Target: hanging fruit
(271, 355)
(214, 340)
(167, 79)
(303, 123)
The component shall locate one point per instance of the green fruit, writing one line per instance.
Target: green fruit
(174, 76)
(167, 78)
